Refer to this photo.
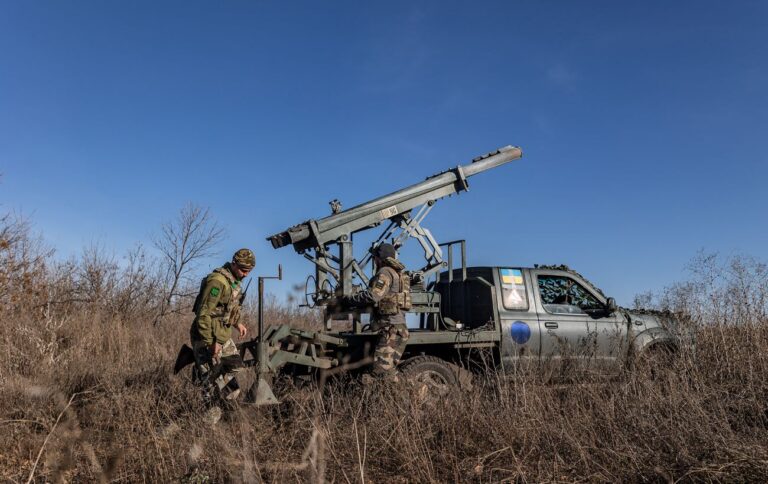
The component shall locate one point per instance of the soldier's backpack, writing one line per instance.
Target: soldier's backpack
(199, 298)
(204, 282)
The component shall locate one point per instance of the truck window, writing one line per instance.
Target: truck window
(513, 292)
(563, 295)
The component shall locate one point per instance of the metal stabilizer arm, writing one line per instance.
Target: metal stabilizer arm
(284, 345)
(260, 392)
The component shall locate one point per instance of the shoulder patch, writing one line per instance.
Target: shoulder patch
(379, 284)
(214, 291)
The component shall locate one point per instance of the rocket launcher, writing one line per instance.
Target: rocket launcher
(317, 233)
(404, 210)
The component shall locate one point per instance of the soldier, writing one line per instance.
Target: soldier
(389, 292)
(216, 312)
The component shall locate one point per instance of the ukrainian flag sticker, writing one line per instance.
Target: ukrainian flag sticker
(512, 276)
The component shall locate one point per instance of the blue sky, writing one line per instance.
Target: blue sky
(643, 124)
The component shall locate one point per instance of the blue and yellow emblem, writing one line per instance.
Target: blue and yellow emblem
(512, 276)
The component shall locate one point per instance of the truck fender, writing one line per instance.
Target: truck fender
(650, 338)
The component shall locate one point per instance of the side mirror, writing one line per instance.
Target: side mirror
(611, 306)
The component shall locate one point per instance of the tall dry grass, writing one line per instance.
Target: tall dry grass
(87, 395)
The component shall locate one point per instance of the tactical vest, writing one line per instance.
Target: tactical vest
(399, 298)
(223, 309)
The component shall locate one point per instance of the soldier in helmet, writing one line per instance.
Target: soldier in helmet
(389, 292)
(216, 314)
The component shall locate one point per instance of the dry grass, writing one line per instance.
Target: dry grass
(87, 395)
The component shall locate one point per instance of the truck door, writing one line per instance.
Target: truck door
(567, 344)
(611, 335)
(605, 345)
(520, 333)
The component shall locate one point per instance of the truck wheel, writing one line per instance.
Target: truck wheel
(653, 362)
(437, 376)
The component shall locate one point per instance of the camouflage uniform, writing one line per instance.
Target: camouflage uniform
(389, 292)
(215, 309)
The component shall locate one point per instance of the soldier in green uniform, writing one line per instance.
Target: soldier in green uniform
(389, 292)
(216, 313)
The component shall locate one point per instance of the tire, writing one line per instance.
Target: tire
(655, 361)
(438, 376)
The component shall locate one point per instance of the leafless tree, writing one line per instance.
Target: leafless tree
(184, 241)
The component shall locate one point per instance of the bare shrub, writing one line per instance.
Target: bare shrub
(731, 290)
(182, 242)
(23, 261)
(96, 278)
(141, 286)
(87, 395)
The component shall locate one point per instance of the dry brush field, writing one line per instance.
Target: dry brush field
(87, 395)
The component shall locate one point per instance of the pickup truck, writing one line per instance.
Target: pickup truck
(548, 319)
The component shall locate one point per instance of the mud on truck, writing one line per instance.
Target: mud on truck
(548, 318)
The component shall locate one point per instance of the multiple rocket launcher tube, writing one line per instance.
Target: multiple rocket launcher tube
(318, 233)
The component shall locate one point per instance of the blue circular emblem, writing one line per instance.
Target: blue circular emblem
(520, 332)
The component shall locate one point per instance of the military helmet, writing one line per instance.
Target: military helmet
(384, 251)
(245, 259)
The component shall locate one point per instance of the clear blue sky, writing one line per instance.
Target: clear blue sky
(643, 123)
